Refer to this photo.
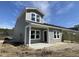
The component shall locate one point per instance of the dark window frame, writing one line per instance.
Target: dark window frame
(33, 17)
(56, 34)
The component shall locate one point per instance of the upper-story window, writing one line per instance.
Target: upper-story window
(38, 18)
(33, 17)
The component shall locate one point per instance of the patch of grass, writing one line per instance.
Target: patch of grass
(45, 52)
(23, 51)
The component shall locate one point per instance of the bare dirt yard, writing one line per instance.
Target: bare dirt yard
(56, 50)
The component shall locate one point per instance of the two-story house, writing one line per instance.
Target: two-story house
(30, 28)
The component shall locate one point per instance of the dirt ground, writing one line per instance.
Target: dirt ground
(56, 50)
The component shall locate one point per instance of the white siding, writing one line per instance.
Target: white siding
(28, 16)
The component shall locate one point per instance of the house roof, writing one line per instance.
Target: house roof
(35, 10)
(48, 24)
(63, 28)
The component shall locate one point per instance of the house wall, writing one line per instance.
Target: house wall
(51, 38)
(27, 35)
(20, 29)
(41, 35)
(28, 17)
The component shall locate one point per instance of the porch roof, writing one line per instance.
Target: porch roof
(38, 25)
(45, 25)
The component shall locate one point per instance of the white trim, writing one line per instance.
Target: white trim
(38, 18)
(59, 28)
(48, 40)
(35, 34)
(56, 34)
(29, 35)
(25, 39)
(35, 17)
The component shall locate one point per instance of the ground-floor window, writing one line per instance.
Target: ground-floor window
(56, 34)
(35, 34)
(32, 34)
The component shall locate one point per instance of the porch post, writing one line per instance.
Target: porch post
(29, 35)
(62, 36)
(48, 35)
(29, 43)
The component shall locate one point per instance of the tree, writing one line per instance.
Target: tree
(76, 27)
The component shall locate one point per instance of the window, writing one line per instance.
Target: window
(33, 17)
(38, 18)
(35, 34)
(56, 34)
(32, 34)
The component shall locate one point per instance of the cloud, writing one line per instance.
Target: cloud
(21, 4)
(18, 3)
(43, 6)
(65, 9)
(6, 26)
(46, 7)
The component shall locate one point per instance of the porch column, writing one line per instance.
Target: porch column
(29, 35)
(48, 35)
(27, 39)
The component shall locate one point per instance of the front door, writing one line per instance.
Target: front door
(45, 36)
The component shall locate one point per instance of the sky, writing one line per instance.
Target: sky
(61, 13)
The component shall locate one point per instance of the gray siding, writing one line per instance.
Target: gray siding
(20, 28)
(41, 34)
(27, 36)
(36, 41)
(19, 31)
(51, 38)
(28, 17)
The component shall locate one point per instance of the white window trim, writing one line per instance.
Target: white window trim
(31, 16)
(35, 17)
(39, 18)
(35, 35)
(56, 34)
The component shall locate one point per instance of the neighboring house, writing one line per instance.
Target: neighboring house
(30, 28)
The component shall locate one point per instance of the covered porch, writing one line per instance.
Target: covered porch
(36, 33)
